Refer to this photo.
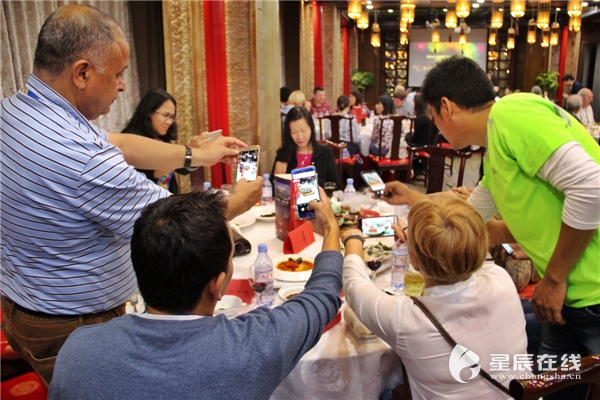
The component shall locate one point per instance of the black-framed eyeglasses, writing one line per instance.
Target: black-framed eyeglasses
(167, 116)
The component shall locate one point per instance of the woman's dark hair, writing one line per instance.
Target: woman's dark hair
(420, 106)
(357, 96)
(460, 80)
(388, 104)
(342, 102)
(288, 149)
(142, 117)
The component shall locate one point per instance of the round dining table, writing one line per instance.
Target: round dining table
(342, 365)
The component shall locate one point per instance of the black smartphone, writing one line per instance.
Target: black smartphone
(306, 188)
(248, 163)
(374, 181)
(377, 226)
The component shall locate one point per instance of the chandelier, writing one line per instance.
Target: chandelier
(363, 21)
(543, 17)
(574, 8)
(517, 8)
(354, 9)
(463, 8)
(451, 19)
(531, 31)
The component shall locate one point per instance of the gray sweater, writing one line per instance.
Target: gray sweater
(207, 358)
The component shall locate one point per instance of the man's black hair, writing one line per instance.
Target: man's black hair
(459, 79)
(284, 94)
(179, 245)
(317, 88)
(568, 77)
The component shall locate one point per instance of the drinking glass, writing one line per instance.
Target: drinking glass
(329, 188)
(374, 256)
(413, 282)
(258, 287)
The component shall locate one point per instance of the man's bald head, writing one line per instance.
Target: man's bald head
(587, 97)
(76, 32)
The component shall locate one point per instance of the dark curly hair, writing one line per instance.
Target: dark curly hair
(141, 121)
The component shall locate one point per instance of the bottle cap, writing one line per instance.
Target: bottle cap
(266, 177)
(350, 181)
(262, 248)
(206, 185)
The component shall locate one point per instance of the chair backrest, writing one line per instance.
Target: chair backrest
(436, 163)
(338, 153)
(397, 134)
(336, 127)
(282, 117)
(551, 381)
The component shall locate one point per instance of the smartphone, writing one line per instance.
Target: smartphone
(374, 181)
(215, 134)
(306, 188)
(248, 163)
(377, 226)
(508, 249)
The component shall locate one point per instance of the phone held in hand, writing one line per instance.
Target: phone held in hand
(306, 188)
(215, 134)
(507, 248)
(377, 226)
(248, 163)
(374, 181)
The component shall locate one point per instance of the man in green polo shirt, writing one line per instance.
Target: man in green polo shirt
(542, 173)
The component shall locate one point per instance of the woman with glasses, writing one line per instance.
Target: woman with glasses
(154, 118)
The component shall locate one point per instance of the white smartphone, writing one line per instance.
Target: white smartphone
(508, 249)
(248, 163)
(307, 189)
(215, 134)
(377, 226)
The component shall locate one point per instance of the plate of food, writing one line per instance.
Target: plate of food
(292, 268)
(244, 220)
(264, 213)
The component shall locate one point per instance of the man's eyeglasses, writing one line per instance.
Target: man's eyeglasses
(166, 116)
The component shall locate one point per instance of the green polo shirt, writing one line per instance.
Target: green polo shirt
(523, 131)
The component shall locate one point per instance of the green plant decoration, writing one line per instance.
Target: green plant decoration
(362, 79)
(548, 81)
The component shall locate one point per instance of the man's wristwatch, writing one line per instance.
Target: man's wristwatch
(188, 157)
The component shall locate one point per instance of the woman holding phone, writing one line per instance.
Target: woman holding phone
(301, 149)
(155, 118)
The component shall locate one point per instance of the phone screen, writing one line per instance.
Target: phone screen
(377, 226)
(374, 181)
(247, 164)
(306, 188)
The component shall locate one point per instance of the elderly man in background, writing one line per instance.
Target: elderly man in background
(70, 194)
(403, 107)
(586, 114)
(544, 183)
(318, 105)
(573, 105)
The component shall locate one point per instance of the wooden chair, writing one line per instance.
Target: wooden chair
(552, 381)
(348, 163)
(436, 165)
(338, 151)
(432, 139)
(394, 163)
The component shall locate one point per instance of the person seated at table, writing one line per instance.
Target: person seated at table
(319, 106)
(402, 107)
(154, 118)
(301, 149)
(181, 251)
(573, 105)
(343, 106)
(475, 302)
(284, 95)
(356, 102)
(384, 108)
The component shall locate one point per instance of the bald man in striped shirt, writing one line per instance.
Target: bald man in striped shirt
(69, 191)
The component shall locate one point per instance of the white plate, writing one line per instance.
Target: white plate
(288, 276)
(228, 305)
(244, 220)
(258, 211)
(286, 290)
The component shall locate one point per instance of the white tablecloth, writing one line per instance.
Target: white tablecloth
(340, 366)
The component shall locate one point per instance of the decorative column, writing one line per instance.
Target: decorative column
(307, 60)
(317, 42)
(564, 44)
(346, 57)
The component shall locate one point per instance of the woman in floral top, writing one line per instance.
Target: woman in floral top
(384, 108)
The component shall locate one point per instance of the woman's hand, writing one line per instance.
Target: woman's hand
(400, 231)
(462, 192)
(280, 167)
(353, 246)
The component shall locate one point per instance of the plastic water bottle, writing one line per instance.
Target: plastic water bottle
(267, 193)
(349, 191)
(400, 264)
(263, 278)
(207, 187)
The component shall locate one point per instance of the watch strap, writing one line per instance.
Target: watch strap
(188, 157)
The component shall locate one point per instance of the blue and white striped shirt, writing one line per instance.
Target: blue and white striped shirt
(68, 204)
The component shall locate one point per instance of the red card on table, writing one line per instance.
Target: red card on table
(242, 289)
(298, 239)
